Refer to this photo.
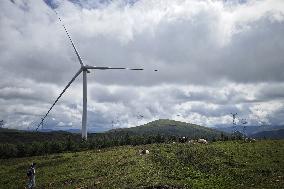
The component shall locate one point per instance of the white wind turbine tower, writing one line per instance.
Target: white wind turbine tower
(85, 69)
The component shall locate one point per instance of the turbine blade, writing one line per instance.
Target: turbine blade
(73, 79)
(110, 68)
(69, 37)
(135, 69)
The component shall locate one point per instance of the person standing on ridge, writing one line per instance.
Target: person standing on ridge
(31, 176)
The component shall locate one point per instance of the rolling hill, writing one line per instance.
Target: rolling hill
(162, 127)
(167, 127)
(15, 143)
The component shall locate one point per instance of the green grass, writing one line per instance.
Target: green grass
(231, 164)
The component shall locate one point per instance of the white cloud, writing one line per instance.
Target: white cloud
(213, 57)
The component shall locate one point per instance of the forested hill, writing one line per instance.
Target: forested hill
(167, 127)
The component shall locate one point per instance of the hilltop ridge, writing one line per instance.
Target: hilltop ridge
(168, 127)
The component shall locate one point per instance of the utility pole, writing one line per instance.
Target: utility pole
(234, 115)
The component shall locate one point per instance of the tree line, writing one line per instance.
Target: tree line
(9, 150)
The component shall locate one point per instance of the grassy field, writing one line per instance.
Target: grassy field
(231, 164)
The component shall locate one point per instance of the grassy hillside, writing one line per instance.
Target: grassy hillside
(230, 164)
(171, 128)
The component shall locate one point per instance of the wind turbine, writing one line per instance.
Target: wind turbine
(85, 69)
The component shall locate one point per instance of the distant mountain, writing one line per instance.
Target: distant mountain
(167, 127)
(74, 130)
(273, 134)
(249, 130)
(63, 130)
(19, 136)
(4, 130)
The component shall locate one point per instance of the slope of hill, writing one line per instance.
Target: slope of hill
(167, 127)
(229, 164)
(273, 134)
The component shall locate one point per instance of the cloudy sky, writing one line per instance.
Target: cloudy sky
(214, 58)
